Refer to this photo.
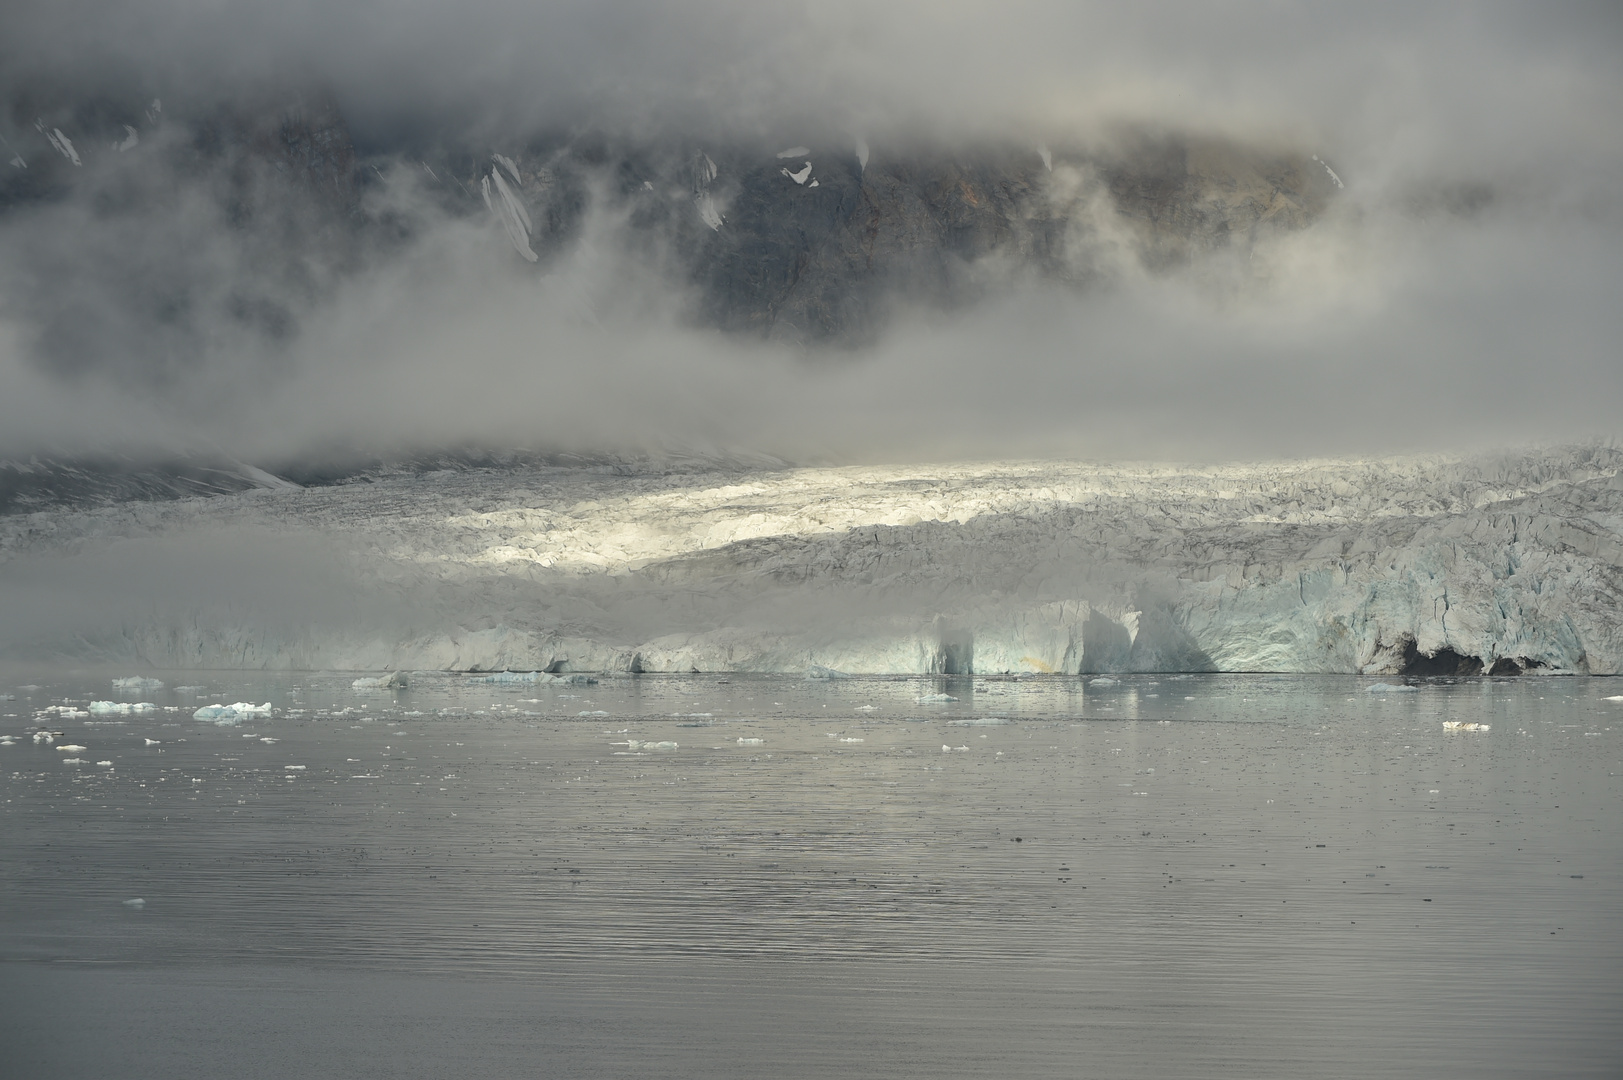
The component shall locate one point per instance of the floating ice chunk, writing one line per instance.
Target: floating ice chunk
(867, 708)
(750, 742)
(508, 164)
(73, 761)
(930, 699)
(945, 749)
(137, 682)
(135, 902)
(978, 721)
(1614, 697)
(120, 708)
(636, 745)
(152, 742)
(130, 140)
(109, 764)
(7, 740)
(1048, 159)
(818, 671)
(854, 740)
(1103, 680)
(862, 155)
(1392, 688)
(1464, 725)
(794, 151)
(72, 748)
(294, 768)
(231, 714)
(393, 681)
(798, 177)
(708, 212)
(46, 736)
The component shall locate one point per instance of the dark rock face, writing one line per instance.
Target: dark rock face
(230, 219)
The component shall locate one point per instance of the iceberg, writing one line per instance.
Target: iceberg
(232, 714)
(120, 708)
(818, 671)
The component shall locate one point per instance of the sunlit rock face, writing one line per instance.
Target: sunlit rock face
(1438, 566)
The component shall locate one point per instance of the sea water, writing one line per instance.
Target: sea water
(1149, 876)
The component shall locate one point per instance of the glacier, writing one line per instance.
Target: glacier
(1505, 563)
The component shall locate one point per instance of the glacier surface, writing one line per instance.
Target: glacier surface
(1504, 563)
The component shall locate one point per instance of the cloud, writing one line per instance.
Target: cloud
(1400, 321)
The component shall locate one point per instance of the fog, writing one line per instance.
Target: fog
(1402, 319)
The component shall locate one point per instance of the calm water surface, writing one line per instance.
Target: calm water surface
(1249, 876)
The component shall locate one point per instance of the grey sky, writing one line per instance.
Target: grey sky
(1384, 327)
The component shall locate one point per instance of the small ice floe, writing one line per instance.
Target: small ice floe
(135, 902)
(1048, 159)
(634, 744)
(267, 740)
(945, 749)
(107, 764)
(8, 697)
(750, 742)
(46, 736)
(867, 708)
(120, 708)
(818, 671)
(294, 768)
(131, 139)
(978, 721)
(395, 680)
(1464, 725)
(73, 761)
(137, 682)
(1614, 697)
(72, 748)
(853, 740)
(1392, 688)
(7, 740)
(151, 742)
(593, 712)
(1104, 680)
(233, 713)
(799, 177)
(930, 699)
(794, 152)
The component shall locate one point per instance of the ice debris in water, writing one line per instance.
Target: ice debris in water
(818, 671)
(945, 749)
(1464, 725)
(135, 902)
(1103, 680)
(1614, 697)
(570, 679)
(1392, 688)
(750, 742)
(853, 740)
(231, 714)
(120, 708)
(73, 748)
(393, 681)
(109, 764)
(978, 721)
(73, 761)
(151, 742)
(137, 682)
(633, 744)
(926, 699)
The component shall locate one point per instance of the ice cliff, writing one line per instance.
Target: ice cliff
(1501, 564)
